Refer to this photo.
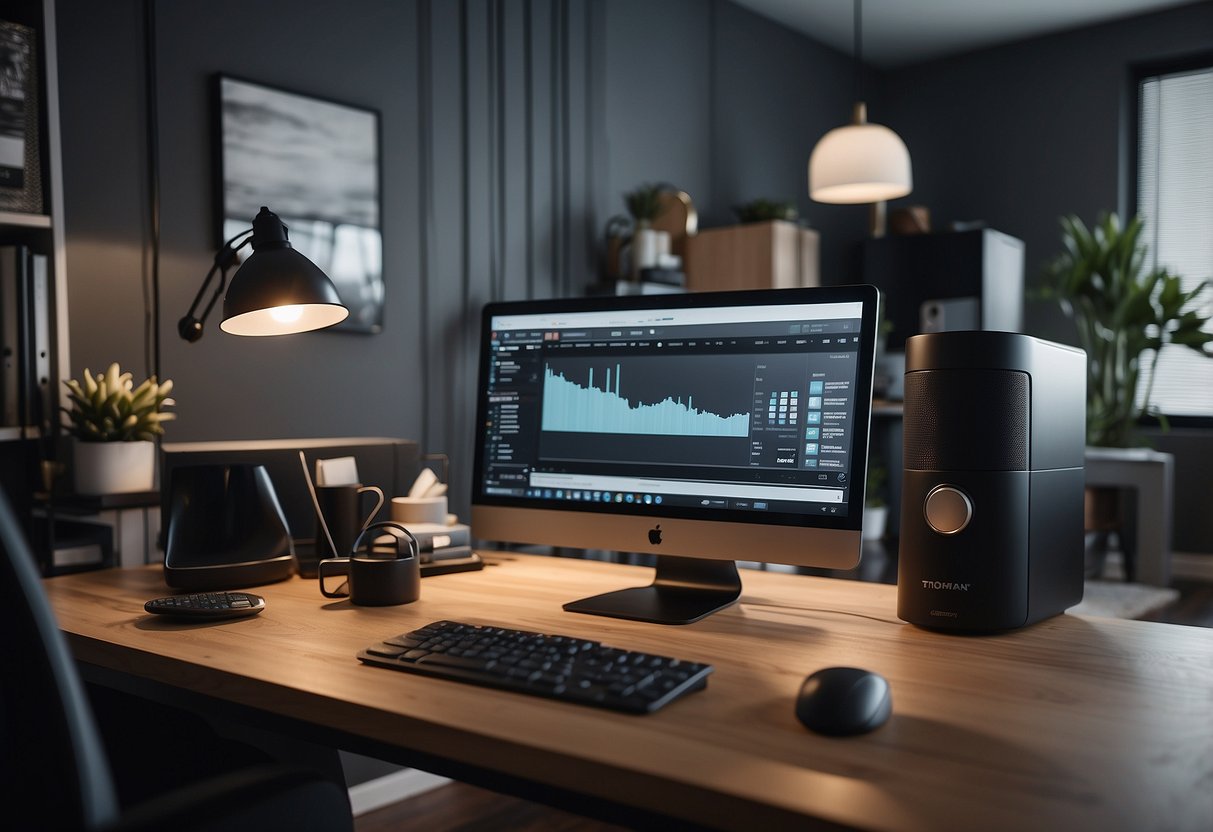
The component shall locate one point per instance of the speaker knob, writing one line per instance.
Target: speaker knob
(948, 509)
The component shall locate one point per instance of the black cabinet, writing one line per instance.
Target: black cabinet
(948, 281)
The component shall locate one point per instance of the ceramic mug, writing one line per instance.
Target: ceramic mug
(341, 506)
(384, 569)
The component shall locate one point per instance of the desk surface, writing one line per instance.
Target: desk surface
(1075, 723)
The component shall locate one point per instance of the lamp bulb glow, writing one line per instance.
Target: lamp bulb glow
(286, 314)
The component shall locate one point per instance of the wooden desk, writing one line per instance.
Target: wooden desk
(1076, 723)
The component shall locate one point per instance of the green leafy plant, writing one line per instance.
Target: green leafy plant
(1123, 310)
(644, 203)
(764, 210)
(109, 408)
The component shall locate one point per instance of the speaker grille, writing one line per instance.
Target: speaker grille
(967, 420)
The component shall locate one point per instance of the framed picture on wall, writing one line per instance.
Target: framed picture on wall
(20, 159)
(315, 163)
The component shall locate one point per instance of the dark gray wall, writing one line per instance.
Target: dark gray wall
(776, 94)
(1022, 134)
(510, 132)
(486, 194)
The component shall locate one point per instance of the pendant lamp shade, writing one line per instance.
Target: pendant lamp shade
(859, 163)
(278, 291)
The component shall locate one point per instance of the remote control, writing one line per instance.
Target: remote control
(208, 605)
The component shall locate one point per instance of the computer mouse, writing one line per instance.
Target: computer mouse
(843, 701)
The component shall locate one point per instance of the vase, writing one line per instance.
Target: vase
(874, 521)
(114, 467)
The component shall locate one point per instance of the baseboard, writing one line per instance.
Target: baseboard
(1193, 566)
(399, 785)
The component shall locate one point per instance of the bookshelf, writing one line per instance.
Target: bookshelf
(24, 442)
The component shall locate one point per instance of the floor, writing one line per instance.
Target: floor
(462, 808)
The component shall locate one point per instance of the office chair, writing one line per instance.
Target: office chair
(54, 773)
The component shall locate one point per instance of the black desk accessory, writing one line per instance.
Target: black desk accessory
(843, 701)
(207, 605)
(225, 529)
(382, 570)
(559, 667)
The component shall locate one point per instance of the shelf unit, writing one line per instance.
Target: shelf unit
(21, 453)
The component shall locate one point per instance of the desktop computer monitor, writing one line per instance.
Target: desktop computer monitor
(701, 428)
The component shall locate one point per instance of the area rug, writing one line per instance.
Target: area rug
(1117, 599)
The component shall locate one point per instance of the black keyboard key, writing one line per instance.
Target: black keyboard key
(561, 667)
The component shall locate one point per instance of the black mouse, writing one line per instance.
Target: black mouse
(842, 701)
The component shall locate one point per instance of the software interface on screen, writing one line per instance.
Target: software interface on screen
(746, 412)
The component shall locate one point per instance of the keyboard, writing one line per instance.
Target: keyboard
(559, 667)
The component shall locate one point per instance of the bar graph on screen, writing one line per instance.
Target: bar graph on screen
(569, 406)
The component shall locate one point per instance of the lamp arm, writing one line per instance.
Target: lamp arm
(190, 327)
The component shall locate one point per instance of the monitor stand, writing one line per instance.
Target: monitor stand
(683, 591)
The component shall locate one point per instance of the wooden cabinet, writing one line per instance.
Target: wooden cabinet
(761, 255)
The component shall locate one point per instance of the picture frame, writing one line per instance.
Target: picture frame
(316, 164)
(20, 148)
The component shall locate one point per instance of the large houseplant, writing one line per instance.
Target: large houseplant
(115, 424)
(1125, 313)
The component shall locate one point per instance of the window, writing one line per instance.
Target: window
(1175, 199)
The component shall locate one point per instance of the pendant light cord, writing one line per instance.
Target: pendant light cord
(858, 30)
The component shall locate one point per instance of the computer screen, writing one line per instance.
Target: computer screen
(702, 428)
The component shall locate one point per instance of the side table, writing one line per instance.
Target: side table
(1148, 474)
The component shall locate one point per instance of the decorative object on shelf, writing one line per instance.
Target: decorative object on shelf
(618, 232)
(1122, 310)
(763, 210)
(20, 151)
(678, 218)
(910, 219)
(648, 244)
(317, 163)
(860, 162)
(115, 425)
(277, 291)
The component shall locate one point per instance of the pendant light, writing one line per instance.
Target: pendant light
(860, 162)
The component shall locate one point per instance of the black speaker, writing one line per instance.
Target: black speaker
(992, 491)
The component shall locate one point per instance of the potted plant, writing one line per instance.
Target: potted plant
(1125, 313)
(875, 511)
(766, 210)
(115, 425)
(644, 204)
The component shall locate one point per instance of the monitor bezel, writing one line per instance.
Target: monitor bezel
(798, 539)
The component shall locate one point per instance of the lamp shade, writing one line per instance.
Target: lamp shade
(278, 291)
(859, 163)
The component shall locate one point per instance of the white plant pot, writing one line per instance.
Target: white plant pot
(874, 520)
(114, 467)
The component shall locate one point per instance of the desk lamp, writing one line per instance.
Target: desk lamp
(277, 291)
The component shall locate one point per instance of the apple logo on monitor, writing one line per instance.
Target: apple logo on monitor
(655, 535)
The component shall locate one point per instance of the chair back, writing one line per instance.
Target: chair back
(52, 764)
